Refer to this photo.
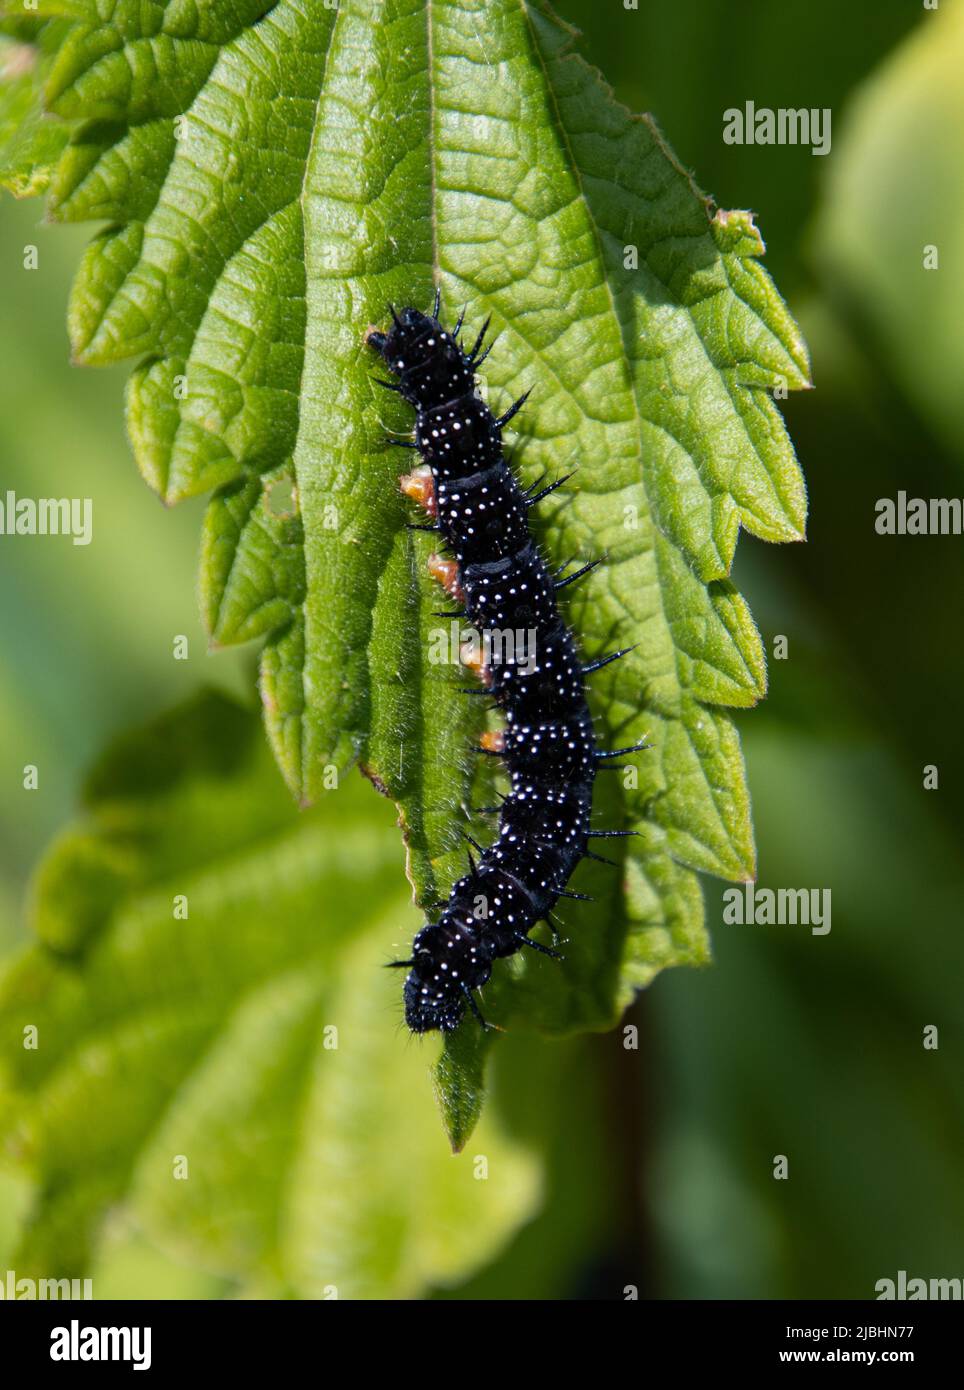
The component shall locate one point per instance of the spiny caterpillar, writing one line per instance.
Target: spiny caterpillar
(498, 575)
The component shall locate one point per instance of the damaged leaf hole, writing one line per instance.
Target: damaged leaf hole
(281, 497)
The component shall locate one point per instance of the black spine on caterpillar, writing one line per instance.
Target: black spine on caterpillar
(548, 746)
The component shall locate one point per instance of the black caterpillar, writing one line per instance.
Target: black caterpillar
(548, 745)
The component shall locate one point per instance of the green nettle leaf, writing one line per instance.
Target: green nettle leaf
(31, 142)
(216, 1046)
(272, 178)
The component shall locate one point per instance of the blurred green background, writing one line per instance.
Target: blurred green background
(658, 1163)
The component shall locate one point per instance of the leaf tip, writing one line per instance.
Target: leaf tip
(458, 1079)
(738, 231)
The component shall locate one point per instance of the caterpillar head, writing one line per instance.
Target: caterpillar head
(429, 363)
(431, 1006)
(448, 961)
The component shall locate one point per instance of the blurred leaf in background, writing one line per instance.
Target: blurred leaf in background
(216, 1046)
(88, 631)
(890, 235)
